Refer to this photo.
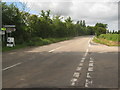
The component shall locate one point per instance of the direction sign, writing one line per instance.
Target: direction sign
(3, 29)
(12, 26)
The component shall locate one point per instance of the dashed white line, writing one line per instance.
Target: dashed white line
(91, 60)
(73, 83)
(90, 69)
(83, 58)
(78, 68)
(82, 61)
(11, 66)
(88, 82)
(81, 64)
(55, 49)
(76, 74)
(91, 64)
(86, 52)
(88, 75)
(74, 80)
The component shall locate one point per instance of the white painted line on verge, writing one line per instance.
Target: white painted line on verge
(90, 69)
(11, 66)
(76, 74)
(55, 49)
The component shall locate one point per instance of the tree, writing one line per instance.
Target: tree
(100, 28)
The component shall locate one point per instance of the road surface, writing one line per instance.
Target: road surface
(73, 63)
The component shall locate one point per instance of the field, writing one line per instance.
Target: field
(108, 39)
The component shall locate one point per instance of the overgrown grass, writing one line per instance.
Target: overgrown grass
(36, 41)
(108, 39)
(112, 37)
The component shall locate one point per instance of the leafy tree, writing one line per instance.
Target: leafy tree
(100, 28)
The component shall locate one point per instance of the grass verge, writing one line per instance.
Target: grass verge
(106, 42)
(37, 41)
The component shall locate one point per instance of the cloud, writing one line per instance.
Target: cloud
(93, 11)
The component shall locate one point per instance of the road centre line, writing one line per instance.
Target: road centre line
(78, 68)
(76, 74)
(11, 66)
(90, 41)
(88, 82)
(90, 69)
(86, 52)
(55, 49)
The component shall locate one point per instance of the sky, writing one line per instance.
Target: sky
(92, 11)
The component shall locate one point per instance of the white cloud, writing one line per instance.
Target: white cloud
(93, 11)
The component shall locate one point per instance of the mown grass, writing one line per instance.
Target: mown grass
(35, 42)
(108, 39)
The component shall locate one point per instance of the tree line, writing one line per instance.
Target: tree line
(44, 25)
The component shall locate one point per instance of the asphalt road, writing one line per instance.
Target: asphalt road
(73, 63)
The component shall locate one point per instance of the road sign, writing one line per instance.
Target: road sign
(9, 28)
(3, 29)
(10, 42)
(12, 26)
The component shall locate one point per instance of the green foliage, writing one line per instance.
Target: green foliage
(29, 26)
(112, 37)
(107, 40)
(100, 28)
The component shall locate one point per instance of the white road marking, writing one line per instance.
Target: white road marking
(86, 52)
(88, 75)
(78, 68)
(90, 69)
(11, 66)
(102, 52)
(91, 64)
(76, 74)
(89, 42)
(73, 83)
(82, 61)
(55, 49)
(81, 64)
(83, 58)
(88, 82)
(91, 60)
(74, 80)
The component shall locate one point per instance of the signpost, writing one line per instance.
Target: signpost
(9, 29)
